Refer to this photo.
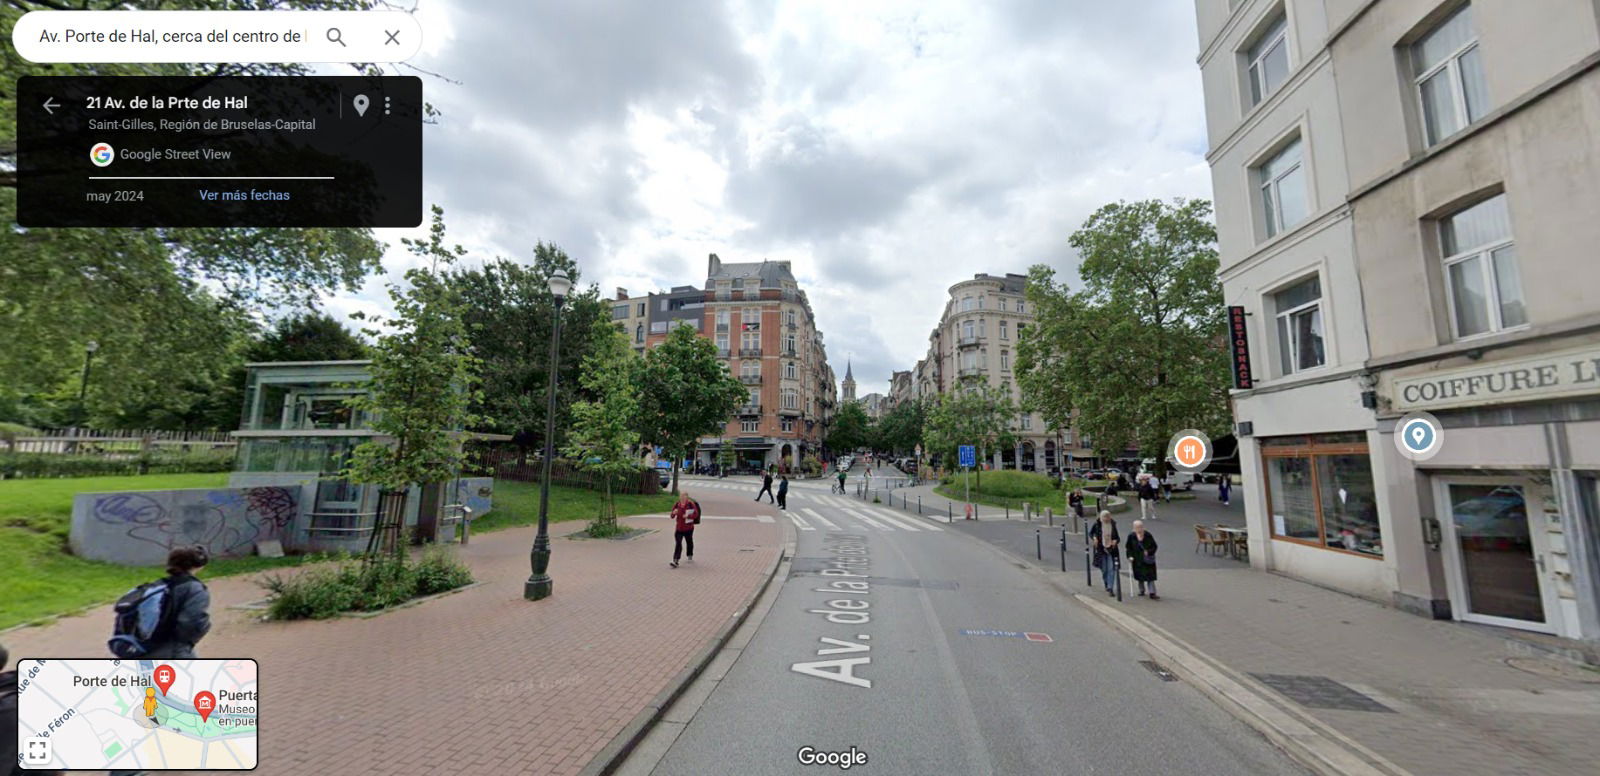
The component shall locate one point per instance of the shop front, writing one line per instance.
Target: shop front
(1506, 508)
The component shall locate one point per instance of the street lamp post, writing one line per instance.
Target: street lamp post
(539, 583)
(83, 384)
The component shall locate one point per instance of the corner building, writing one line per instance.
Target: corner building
(1405, 196)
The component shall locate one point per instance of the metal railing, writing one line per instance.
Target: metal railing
(748, 352)
(749, 409)
(750, 379)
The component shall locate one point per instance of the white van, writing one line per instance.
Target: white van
(1179, 480)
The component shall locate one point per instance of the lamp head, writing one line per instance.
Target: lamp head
(91, 346)
(559, 286)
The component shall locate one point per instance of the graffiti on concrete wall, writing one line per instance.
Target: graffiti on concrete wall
(141, 527)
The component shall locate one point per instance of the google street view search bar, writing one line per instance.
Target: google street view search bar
(217, 36)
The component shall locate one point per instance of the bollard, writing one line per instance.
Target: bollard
(1050, 516)
(1008, 511)
(1116, 570)
(919, 505)
(1088, 561)
(1063, 549)
(1038, 545)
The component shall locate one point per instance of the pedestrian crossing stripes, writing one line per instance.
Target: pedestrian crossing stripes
(820, 519)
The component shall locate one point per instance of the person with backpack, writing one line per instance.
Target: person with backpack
(783, 492)
(168, 617)
(766, 487)
(685, 515)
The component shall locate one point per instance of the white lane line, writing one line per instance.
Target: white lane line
(910, 522)
(869, 521)
(840, 502)
(819, 518)
(799, 523)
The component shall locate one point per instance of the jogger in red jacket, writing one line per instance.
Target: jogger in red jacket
(685, 514)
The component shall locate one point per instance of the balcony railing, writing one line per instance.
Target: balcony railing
(750, 379)
(722, 327)
(722, 352)
(792, 325)
(969, 342)
(749, 409)
(789, 411)
(749, 352)
(971, 371)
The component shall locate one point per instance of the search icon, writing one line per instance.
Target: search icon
(335, 36)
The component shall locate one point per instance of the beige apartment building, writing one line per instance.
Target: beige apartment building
(975, 343)
(1406, 194)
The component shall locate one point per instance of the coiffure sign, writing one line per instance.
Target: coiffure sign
(1545, 376)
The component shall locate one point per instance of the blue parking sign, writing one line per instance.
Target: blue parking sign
(969, 456)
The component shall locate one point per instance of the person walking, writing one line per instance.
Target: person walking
(841, 475)
(766, 487)
(1225, 488)
(1075, 503)
(1147, 497)
(1165, 487)
(783, 492)
(1103, 535)
(190, 606)
(685, 516)
(1141, 546)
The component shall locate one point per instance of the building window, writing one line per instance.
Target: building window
(722, 345)
(749, 426)
(1020, 310)
(1005, 359)
(641, 309)
(1480, 269)
(791, 400)
(750, 368)
(638, 333)
(969, 330)
(1320, 492)
(1003, 330)
(789, 345)
(1002, 304)
(1269, 60)
(751, 318)
(1283, 189)
(1027, 422)
(722, 319)
(791, 371)
(755, 398)
(750, 340)
(619, 311)
(1299, 311)
(787, 424)
(966, 303)
(794, 320)
(1448, 73)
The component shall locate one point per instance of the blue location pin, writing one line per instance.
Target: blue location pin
(1419, 435)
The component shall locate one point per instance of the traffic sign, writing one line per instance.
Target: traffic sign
(969, 456)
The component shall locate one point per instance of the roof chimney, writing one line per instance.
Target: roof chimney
(715, 266)
(622, 293)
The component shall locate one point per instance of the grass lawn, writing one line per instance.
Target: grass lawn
(39, 579)
(517, 503)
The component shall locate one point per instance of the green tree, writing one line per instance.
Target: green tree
(973, 414)
(305, 336)
(508, 308)
(1139, 350)
(900, 430)
(727, 458)
(424, 380)
(603, 434)
(851, 429)
(685, 392)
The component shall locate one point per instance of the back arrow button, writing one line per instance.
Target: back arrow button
(50, 104)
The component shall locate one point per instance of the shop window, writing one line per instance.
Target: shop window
(1320, 492)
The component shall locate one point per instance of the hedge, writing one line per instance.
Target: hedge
(37, 465)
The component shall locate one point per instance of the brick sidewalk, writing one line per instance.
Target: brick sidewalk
(481, 681)
(1454, 704)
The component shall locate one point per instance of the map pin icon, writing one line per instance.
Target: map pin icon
(164, 677)
(1418, 433)
(361, 103)
(204, 704)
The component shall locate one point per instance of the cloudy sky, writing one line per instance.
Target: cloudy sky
(887, 149)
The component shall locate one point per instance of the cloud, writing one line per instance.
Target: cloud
(887, 149)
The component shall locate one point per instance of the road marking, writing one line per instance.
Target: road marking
(819, 518)
(869, 521)
(799, 523)
(902, 520)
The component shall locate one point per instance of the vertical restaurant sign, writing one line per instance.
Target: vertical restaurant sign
(1239, 347)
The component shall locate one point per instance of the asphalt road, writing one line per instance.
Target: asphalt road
(902, 589)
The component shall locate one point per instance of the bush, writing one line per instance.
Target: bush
(37, 465)
(382, 582)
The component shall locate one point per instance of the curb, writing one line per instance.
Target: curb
(623, 743)
(1308, 741)
(1311, 742)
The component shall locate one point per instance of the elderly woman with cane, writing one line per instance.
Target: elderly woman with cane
(1142, 554)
